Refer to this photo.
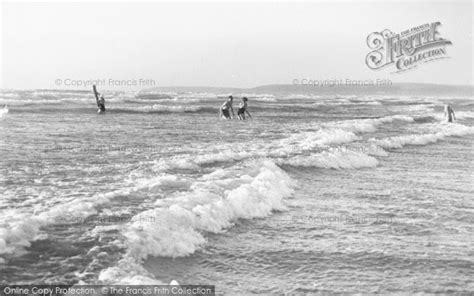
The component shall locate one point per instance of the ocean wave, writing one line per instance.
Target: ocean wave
(175, 163)
(257, 97)
(9, 95)
(159, 108)
(334, 158)
(292, 145)
(177, 226)
(18, 227)
(128, 272)
(27, 102)
(213, 203)
(464, 114)
(57, 93)
(445, 130)
(3, 111)
(178, 96)
(302, 96)
(439, 116)
(17, 230)
(310, 140)
(162, 100)
(166, 181)
(200, 95)
(426, 119)
(222, 154)
(368, 125)
(334, 101)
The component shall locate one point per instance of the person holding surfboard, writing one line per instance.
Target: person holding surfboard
(225, 109)
(242, 109)
(100, 101)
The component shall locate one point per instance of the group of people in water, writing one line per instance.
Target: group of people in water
(227, 108)
(224, 112)
(227, 111)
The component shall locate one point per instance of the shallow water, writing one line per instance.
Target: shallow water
(328, 193)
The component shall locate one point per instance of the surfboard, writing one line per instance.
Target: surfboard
(96, 94)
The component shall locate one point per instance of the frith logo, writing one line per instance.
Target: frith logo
(406, 50)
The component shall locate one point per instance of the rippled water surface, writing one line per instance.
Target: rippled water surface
(315, 194)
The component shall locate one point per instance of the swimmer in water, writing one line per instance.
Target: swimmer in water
(101, 104)
(243, 108)
(226, 108)
(449, 113)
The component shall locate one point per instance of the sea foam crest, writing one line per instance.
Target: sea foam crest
(445, 130)
(333, 159)
(18, 228)
(368, 125)
(177, 226)
(3, 111)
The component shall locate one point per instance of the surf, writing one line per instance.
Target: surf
(4, 111)
(177, 226)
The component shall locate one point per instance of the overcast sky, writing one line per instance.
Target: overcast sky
(220, 44)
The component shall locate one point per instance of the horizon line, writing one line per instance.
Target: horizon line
(249, 88)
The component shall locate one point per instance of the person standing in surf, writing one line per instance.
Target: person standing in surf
(243, 108)
(101, 104)
(226, 108)
(100, 101)
(449, 113)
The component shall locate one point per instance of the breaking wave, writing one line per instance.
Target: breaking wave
(3, 111)
(177, 226)
(333, 159)
(445, 130)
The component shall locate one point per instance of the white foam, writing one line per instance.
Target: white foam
(161, 182)
(211, 205)
(259, 97)
(445, 130)
(309, 140)
(45, 93)
(22, 102)
(177, 226)
(333, 159)
(3, 111)
(464, 114)
(265, 99)
(181, 162)
(199, 95)
(19, 227)
(128, 272)
(226, 155)
(460, 115)
(9, 95)
(335, 133)
(17, 231)
(302, 96)
(368, 125)
(167, 108)
(157, 92)
(169, 100)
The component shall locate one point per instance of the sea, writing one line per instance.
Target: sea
(351, 190)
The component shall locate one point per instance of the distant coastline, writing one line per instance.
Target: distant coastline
(396, 88)
(411, 89)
